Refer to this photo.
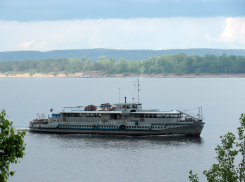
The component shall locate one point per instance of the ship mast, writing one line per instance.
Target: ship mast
(138, 89)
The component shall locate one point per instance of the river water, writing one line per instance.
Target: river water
(53, 157)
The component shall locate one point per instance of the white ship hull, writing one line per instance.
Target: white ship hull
(166, 129)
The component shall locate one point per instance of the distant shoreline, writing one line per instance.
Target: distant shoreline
(97, 74)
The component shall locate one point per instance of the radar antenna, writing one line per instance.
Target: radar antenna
(138, 89)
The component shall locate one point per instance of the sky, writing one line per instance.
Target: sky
(123, 24)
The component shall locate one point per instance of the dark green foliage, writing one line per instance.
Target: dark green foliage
(11, 146)
(225, 169)
(178, 64)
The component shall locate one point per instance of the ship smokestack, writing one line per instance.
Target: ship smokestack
(125, 99)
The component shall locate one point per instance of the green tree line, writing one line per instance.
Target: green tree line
(178, 64)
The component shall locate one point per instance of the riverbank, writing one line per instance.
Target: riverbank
(98, 74)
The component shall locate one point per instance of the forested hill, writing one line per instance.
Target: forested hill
(94, 54)
(178, 64)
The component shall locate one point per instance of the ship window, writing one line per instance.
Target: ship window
(124, 106)
(87, 115)
(136, 115)
(163, 116)
(150, 115)
(159, 115)
(134, 106)
(68, 115)
(154, 116)
(146, 116)
(99, 115)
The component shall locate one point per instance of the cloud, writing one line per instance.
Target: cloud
(25, 45)
(209, 38)
(135, 33)
(234, 31)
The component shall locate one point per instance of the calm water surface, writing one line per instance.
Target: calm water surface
(51, 157)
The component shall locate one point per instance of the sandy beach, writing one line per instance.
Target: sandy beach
(98, 74)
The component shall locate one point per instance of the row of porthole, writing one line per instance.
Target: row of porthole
(157, 127)
(138, 127)
(130, 127)
(108, 126)
(143, 127)
(76, 126)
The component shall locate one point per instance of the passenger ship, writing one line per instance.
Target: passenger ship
(119, 119)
